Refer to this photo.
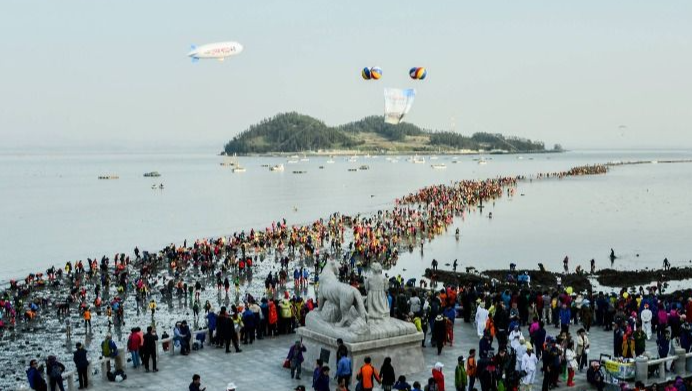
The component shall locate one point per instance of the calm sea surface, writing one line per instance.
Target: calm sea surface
(54, 209)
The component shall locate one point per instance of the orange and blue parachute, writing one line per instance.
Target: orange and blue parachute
(376, 73)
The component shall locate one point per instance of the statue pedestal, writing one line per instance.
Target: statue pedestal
(405, 351)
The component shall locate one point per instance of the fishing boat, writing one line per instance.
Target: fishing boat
(278, 167)
(352, 169)
(292, 161)
(238, 169)
(440, 166)
(300, 172)
(364, 167)
(108, 177)
(304, 159)
(482, 162)
(418, 160)
(152, 174)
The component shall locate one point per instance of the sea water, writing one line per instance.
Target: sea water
(54, 208)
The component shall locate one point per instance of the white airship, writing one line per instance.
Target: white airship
(218, 51)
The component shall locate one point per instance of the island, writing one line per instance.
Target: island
(299, 133)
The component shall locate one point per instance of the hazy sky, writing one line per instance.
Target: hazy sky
(107, 74)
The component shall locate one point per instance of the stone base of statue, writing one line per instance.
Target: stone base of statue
(385, 338)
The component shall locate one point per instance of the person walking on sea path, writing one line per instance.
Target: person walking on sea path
(481, 319)
(295, 359)
(82, 363)
(149, 348)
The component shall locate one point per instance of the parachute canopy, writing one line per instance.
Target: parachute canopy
(397, 103)
(365, 73)
(376, 73)
(418, 73)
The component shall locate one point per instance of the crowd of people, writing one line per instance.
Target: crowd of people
(101, 288)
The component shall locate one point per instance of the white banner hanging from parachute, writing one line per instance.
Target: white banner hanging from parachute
(397, 103)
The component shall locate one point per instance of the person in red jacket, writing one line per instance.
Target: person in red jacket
(134, 343)
(439, 376)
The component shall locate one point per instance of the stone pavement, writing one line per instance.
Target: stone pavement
(259, 366)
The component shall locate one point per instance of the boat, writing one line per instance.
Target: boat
(455, 161)
(353, 169)
(239, 168)
(321, 167)
(278, 167)
(330, 161)
(440, 166)
(418, 160)
(230, 161)
(364, 167)
(152, 174)
(265, 165)
(295, 157)
(292, 161)
(433, 157)
(300, 172)
(304, 159)
(352, 159)
(482, 162)
(153, 187)
(107, 177)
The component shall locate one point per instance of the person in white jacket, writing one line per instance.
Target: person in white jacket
(481, 319)
(646, 320)
(528, 365)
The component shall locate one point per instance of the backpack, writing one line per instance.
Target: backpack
(55, 372)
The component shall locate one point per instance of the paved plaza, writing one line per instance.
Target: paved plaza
(259, 366)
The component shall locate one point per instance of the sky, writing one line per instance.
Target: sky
(107, 75)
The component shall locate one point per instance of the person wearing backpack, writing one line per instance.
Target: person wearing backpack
(33, 375)
(82, 364)
(367, 375)
(109, 350)
(54, 368)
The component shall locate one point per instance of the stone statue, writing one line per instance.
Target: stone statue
(337, 300)
(375, 285)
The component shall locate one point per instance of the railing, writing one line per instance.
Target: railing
(678, 360)
(71, 377)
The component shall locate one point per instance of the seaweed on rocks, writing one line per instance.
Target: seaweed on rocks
(505, 278)
(627, 278)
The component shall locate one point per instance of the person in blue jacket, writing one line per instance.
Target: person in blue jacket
(33, 375)
(565, 317)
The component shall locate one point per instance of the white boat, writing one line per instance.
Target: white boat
(292, 161)
(433, 157)
(239, 168)
(482, 162)
(278, 167)
(352, 159)
(331, 160)
(418, 160)
(296, 157)
(440, 166)
(304, 159)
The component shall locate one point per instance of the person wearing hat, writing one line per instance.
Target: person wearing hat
(82, 363)
(460, 378)
(439, 332)
(439, 376)
(528, 367)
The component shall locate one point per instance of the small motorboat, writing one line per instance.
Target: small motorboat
(278, 167)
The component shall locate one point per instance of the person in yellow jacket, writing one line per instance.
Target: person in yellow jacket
(285, 315)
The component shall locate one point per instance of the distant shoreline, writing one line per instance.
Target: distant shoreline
(393, 153)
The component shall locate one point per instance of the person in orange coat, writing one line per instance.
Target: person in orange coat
(367, 375)
(439, 376)
(273, 318)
